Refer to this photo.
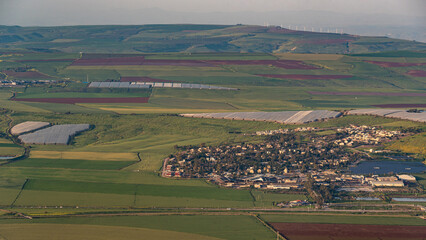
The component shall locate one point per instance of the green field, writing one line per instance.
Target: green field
(223, 227)
(115, 167)
(70, 163)
(66, 231)
(139, 189)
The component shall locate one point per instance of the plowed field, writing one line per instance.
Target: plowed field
(314, 231)
(417, 73)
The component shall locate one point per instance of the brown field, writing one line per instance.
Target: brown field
(85, 100)
(396, 64)
(26, 75)
(401, 105)
(143, 79)
(417, 73)
(369, 94)
(315, 231)
(305, 76)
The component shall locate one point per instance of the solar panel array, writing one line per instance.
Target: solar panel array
(392, 113)
(28, 126)
(289, 117)
(57, 134)
(154, 84)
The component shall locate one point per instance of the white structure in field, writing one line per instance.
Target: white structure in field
(28, 126)
(155, 84)
(391, 113)
(57, 134)
(287, 117)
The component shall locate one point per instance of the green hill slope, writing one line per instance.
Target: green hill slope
(192, 38)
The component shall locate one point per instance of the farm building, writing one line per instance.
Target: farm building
(387, 183)
(407, 178)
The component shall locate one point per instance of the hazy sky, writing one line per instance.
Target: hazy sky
(67, 12)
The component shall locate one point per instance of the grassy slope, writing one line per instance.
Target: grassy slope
(63, 231)
(177, 38)
(224, 227)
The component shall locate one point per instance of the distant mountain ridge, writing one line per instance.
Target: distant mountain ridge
(192, 38)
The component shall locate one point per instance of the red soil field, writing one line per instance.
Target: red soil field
(417, 73)
(143, 79)
(171, 62)
(324, 41)
(396, 64)
(304, 76)
(369, 94)
(26, 75)
(401, 105)
(85, 100)
(313, 231)
(288, 64)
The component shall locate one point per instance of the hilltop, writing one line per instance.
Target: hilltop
(192, 39)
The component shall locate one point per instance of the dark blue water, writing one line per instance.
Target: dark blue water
(382, 167)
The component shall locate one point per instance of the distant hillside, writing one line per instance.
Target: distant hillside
(192, 38)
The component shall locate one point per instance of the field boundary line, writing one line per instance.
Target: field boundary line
(279, 235)
(19, 194)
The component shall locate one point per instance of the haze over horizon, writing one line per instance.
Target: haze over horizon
(395, 18)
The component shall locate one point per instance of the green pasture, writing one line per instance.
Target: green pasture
(268, 199)
(95, 176)
(209, 192)
(82, 95)
(11, 151)
(17, 106)
(70, 232)
(70, 163)
(343, 219)
(412, 144)
(58, 108)
(223, 227)
(107, 200)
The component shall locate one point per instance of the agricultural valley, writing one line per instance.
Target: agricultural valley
(210, 132)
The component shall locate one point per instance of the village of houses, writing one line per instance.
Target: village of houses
(288, 158)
